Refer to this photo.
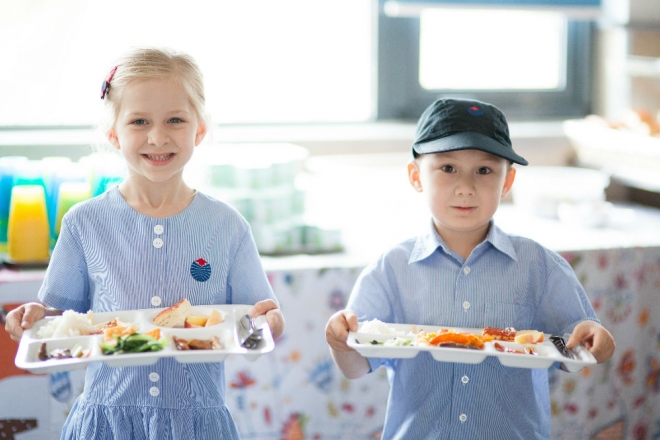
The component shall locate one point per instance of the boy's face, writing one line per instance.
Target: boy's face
(462, 189)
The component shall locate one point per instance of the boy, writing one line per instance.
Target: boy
(465, 272)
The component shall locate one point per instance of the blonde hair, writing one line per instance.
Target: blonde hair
(152, 63)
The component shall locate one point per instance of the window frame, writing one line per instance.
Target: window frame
(401, 97)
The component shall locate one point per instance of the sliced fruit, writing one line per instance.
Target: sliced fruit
(529, 337)
(215, 317)
(196, 320)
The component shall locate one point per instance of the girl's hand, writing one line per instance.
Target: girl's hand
(22, 318)
(273, 314)
(595, 338)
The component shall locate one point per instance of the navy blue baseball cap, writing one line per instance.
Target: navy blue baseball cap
(462, 124)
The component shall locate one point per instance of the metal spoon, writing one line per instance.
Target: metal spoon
(249, 336)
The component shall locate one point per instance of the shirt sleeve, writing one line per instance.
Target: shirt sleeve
(371, 298)
(246, 281)
(66, 285)
(564, 303)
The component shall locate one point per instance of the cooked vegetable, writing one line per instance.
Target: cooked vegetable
(134, 343)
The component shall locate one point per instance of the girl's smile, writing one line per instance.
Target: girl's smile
(159, 159)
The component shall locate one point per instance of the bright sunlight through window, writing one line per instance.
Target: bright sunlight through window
(265, 61)
(492, 50)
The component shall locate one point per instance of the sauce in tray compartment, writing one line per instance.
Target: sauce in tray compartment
(197, 344)
(62, 353)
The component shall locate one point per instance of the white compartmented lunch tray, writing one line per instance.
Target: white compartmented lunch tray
(546, 353)
(227, 332)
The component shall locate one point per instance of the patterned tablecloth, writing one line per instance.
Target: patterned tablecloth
(296, 392)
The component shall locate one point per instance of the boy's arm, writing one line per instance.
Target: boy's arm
(595, 338)
(351, 363)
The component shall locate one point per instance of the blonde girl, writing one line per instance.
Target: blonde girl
(149, 243)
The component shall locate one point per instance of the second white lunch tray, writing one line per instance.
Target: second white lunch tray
(546, 353)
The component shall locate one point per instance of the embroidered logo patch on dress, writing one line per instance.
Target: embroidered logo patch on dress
(200, 270)
(475, 111)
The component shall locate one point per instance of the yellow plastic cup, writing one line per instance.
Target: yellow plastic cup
(28, 232)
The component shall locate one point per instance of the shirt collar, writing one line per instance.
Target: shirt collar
(426, 244)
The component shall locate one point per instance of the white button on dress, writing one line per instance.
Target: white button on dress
(156, 301)
(465, 379)
(466, 305)
(466, 270)
(462, 418)
(158, 243)
(154, 377)
(158, 229)
(154, 391)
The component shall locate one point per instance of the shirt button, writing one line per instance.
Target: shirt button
(154, 377)
(158, 243)
(466, 305)
(154, 391)
(158, 229)
(466, 270)
(155, 301)
(462, 418)
(465, 379)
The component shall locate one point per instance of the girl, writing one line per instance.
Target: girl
(150, 242)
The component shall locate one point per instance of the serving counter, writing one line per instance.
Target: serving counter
(296, 392)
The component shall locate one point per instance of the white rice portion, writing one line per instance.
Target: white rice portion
(69, 324)
(376, 326)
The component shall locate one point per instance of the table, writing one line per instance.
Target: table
(297, 392)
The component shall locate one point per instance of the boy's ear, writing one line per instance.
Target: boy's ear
(413, 175)
(201, 133)
(508, 181)
(112, 137)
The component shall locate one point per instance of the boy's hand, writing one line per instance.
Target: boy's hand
(22, 318)
(595, 338)
(351, 363)
(337, 328)
(273, 314)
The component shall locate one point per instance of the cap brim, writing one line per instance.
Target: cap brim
(469, 141)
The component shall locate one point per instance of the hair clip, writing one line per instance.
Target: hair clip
(106, 84)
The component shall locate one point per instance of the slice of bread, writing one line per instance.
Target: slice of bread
(215, 317)
(175, 315)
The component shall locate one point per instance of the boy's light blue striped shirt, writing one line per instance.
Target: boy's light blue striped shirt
(507, 281)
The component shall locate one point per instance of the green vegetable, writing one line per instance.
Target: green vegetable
(135, 343)
(398, 342)
(77, 351)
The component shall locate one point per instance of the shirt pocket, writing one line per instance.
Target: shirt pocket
(502, 315)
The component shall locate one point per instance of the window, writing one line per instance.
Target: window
(293, 61)
(531, 64)
(526, 51)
